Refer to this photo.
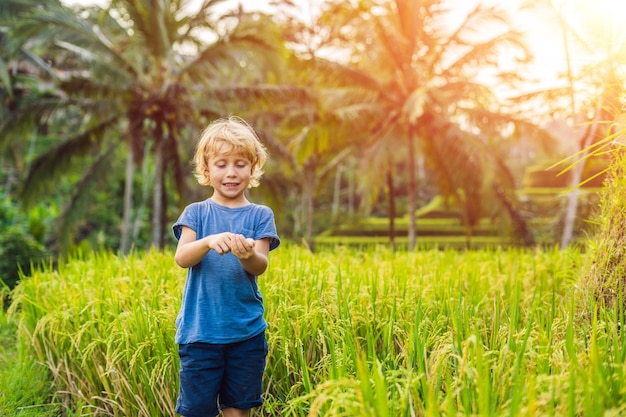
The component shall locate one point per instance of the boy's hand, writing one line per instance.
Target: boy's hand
(220, 242)
(241, 247)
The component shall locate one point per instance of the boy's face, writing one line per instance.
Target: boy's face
(230, 175)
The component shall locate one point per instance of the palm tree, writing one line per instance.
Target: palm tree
(313, 132)
(147, 69)
(23, 76)
(308, 140)
(427, 90)
(317, 142)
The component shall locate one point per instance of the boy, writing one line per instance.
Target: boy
(224, 242)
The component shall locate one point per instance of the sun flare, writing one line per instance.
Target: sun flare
(595, 31)
(600, 22)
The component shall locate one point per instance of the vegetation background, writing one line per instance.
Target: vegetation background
(410, 142)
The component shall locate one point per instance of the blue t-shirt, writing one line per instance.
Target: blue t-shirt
(221, 301)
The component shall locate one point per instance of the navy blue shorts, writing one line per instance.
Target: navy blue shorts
(229, 375)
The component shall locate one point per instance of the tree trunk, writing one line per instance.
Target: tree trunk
(157, 198)
(392, 209)
(572, 197)
(144, 200)
(309, 191)
(336, 194)
(351, 195)
(128, 202)
(412, 189)
(163, 207)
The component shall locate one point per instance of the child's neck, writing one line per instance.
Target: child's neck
(230, 202)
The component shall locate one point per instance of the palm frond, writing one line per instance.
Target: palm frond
(152, 24)
(32, 110)
(11, 10)
(203, 18)
(341, 75)
(465, 168)
(77, 35)
(6, 81)
(224, 53)
(46, 168)
(38, 62)
(73, 211)
(485, 53)
(88, 88)
(394, 45)
(261, 96)
(175, 162)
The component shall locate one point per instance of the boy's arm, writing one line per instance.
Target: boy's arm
(191, 250)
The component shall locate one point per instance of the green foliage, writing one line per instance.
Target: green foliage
(119, 103)
(26, 388)
(18, 252)
(449, 226)
(20, 241)
(24, 384)
(374, 332)
(105, 331)
(545, 207)
(442, 230)
(320, 112)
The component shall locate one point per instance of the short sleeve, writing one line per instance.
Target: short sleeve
(187, 218)
(267, 228)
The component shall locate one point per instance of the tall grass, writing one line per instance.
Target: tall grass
(430, 333)
(103, 327)
(351, 333)
(24, 386)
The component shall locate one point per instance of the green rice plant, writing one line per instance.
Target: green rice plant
(25, 389)
(465, 328)
(103, 328)
(502, 332)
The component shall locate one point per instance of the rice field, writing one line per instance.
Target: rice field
(351, 333)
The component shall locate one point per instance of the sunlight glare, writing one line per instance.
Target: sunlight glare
(600, 22)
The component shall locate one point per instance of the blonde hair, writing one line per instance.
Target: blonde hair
(227, 136)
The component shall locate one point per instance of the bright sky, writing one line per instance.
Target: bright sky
(597, 20)
(599, 23)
